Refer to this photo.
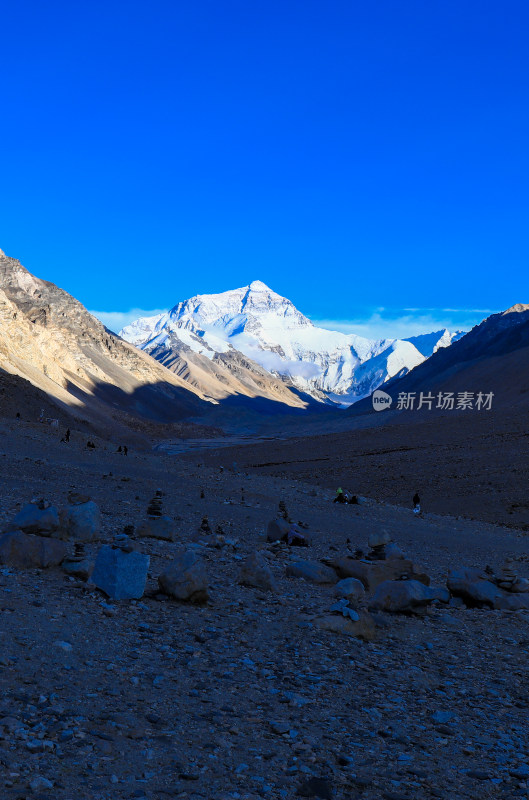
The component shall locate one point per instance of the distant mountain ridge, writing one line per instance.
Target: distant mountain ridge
(268, 329)
(492, 357)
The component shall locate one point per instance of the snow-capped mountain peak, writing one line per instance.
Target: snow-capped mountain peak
(267, 328)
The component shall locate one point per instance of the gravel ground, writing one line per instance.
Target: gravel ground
(245, 697)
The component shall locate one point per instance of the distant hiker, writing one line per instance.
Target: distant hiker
(125, 450)
(90, 445)
(340, 497)
(353, 500)
(67, 437)
(119, 449)
(416, 503)
(18, 415)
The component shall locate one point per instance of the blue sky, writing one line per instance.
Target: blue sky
(367, 160)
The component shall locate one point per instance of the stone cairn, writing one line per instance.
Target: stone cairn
(41, 503)
(507, 577)
(377, 553)
(123, 540)
(205, 526)
(377, 546)
(79, 554)
(283, 513)
(154, 509)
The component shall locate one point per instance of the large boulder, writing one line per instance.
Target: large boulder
(277, 529)
(471, 585)
(351, 589)
(311, 571)
(25, 551)
(509, 601)
(34, 518)
(404, 597)
(185, 579)
(256, 572)
(520, 586)
(81, 522)
(158, 528)
(120, 575)
(373, 573)
(363, 628)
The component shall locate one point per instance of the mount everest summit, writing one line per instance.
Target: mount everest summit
(254, 327)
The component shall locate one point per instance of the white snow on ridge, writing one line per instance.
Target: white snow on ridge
(270, 330)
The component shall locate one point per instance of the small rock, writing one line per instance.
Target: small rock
(158, 528)
(78, 568)
(379, 539)
(66, 646)
(40, 784)
(351, 588)
(342, 607)
(256, 572)
(442, 717)
(394, 551)
(311, 571)
(185, 579)
(277, 529)
(364, 628)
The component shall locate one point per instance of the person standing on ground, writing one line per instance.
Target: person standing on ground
(340, 498)
(416, 503)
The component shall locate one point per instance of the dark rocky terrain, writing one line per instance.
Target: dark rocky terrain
(470, 464)
(247, 696)
(378, 661)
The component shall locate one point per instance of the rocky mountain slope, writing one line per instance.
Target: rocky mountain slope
(269, 330)
(492, 357)
(48, 338)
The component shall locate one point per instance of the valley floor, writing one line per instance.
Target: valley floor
(246, 698)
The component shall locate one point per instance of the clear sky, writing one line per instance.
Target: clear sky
(368, 160)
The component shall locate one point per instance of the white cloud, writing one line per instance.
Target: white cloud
(406, 322)
(274, 363)
(116, 320)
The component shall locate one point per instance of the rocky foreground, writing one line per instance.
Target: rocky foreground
(248, 691)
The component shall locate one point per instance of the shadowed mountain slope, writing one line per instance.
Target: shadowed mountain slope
(48, 338)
